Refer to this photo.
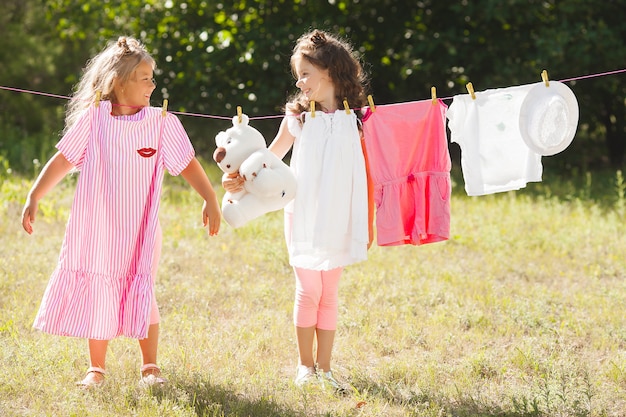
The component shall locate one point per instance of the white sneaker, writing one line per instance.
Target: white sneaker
(328, 380)
(304, 375)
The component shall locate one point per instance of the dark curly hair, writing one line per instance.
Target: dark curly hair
(328, 52)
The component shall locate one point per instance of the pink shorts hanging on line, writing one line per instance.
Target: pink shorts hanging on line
(410, 167)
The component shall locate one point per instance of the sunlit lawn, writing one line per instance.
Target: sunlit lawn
(520, 313)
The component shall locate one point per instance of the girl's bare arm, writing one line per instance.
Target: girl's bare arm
(51, 174)
(196, 177)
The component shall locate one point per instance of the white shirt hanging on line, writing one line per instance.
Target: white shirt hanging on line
(494, 157)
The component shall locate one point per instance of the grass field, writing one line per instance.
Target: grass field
(520, 313)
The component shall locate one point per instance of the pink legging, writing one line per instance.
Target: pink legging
(317, 293)
(317, 298)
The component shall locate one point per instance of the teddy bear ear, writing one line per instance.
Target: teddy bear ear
(244, 120)
(220, 138)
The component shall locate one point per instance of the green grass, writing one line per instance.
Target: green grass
(520, 313)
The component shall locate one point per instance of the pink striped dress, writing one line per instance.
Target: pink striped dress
(102, 285)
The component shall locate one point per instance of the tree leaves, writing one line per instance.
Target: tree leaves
(213, 56)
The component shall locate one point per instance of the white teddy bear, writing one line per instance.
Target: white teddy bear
(269, 183)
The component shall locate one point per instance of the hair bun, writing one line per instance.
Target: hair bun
(123, 44)
(318, 38)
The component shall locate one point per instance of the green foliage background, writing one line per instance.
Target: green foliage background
(214, 56)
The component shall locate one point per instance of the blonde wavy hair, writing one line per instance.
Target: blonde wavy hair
(114, 64)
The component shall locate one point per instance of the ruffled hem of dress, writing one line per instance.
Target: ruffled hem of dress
(95, 306)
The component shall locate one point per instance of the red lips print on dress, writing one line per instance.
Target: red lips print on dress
(146, 152)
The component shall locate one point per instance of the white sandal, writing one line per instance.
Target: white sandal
(153, 378)
(92, 382)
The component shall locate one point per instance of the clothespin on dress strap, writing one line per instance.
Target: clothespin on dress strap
(97, 100)
(164, 111)
(346, 106)
(433, 94)
(312, 108)
(544, 77)
(370, 100)
(470, 90)
(239, 114)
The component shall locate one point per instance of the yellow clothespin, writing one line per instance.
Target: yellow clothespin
(433, 94)
(239, 114)
(544, 77)
(164, 112)
(345, 106)
(97, 101)
(312, 108)
(370, 100)
(470, 90)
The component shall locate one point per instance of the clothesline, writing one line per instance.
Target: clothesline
(20, 90)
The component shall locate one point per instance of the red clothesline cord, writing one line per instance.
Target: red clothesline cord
(20, 90)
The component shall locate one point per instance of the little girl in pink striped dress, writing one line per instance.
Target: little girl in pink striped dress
(103, 285)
